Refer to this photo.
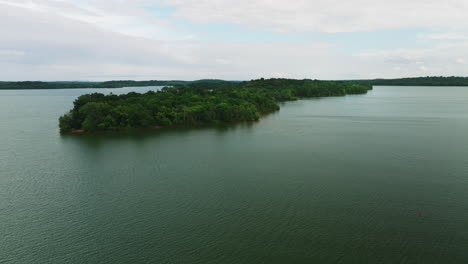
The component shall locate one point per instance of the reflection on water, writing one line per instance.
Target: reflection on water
(141, 136)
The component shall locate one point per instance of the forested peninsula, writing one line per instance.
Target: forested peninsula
(202, 102)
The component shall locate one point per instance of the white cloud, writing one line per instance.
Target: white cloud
(57, 48)
(121, 39)
(14, 53)
(116, 16)
(131, 16)
(446, 36)
(325, 15)
(441, 59)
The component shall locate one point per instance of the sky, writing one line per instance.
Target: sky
(97, 40)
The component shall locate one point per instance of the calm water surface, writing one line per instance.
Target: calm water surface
(333, 180)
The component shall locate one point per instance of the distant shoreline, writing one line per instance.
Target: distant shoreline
(33, 85)
(38, 85)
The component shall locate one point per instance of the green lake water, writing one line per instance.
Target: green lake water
(331, 180)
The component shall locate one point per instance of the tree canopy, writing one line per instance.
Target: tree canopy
(196, 103)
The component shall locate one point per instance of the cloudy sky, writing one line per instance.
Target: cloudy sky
(234, 40)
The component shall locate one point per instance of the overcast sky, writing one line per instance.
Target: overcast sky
(231, 39)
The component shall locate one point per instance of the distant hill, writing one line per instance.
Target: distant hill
(418, 81)
(75, 85)
(215, 83)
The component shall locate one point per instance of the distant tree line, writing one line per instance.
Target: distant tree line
(195, 103)
(77, 85)
(418, 81)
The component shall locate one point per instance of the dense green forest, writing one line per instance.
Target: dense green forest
(417, 81)
(200, 102)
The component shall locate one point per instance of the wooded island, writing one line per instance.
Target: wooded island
(202, 102)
